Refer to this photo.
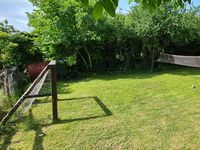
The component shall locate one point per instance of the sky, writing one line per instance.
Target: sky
(15, 11)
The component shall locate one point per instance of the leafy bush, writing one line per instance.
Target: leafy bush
(70, 34)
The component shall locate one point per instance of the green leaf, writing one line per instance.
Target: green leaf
(98, 10)
(144, 3)
(116, 2)
(85, 3)
(159, 2)
(181, 3)
(109, 6)
(130, 1)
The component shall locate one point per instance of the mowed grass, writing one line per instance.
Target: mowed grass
(117, 111)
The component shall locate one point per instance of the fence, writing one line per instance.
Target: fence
(9, 78)
(32, 92)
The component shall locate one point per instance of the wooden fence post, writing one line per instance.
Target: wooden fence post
(52, 66)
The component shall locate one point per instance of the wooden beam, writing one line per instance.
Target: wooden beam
(52, 66)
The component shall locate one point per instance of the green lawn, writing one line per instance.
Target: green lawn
(116, 111)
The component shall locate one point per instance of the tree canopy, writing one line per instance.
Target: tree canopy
(68, 32)
(111, 5)
(16, 48)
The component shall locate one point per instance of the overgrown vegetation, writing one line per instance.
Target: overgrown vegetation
(16, 48)
(68, 32)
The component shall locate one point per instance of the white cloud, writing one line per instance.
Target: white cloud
(15, 12)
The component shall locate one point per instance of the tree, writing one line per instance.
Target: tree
(63, 29)
(111, 5)
(66, 31)
(168, 30)
(6, 44)
(25, 52)
(16, 48)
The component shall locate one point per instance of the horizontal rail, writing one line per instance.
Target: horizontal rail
(37, 96)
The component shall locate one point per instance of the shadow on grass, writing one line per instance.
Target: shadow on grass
(63, 88)
(76, 119)
(7, 140)
(97, 100)
(39, 135)
(162, 68)
(31, 124)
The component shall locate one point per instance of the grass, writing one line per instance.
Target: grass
(118, 111)
(2, 103)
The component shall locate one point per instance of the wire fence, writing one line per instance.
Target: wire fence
(8, 81)
(44, 85)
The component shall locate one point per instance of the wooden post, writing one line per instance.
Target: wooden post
(52, 66)
(152, 61)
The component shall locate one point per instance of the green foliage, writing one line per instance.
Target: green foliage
(68, 32)
(98, 10)
(26, 52)
(111, 5)
(152, 4)
(166, 27)
(6, 44)
(16, 48)
(62, 32)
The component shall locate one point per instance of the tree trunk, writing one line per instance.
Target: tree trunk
(89, 57)
(83, 59)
